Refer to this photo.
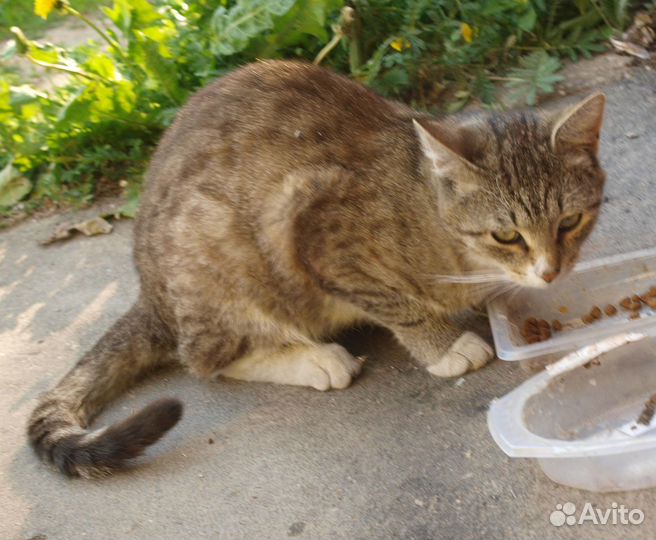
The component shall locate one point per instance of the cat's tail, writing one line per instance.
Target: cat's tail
(57, 428)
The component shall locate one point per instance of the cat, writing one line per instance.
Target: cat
(287, 202)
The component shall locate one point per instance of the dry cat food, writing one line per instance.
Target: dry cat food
(595, 314)
(648, 411)
(535, 330)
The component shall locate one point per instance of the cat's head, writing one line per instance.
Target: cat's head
(521, 190)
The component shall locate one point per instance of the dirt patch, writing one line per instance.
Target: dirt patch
(589, 74)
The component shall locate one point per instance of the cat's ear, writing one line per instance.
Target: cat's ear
(579, 126)
(446, 144)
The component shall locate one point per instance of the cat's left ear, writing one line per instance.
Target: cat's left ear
(448, 144)
(579, 126)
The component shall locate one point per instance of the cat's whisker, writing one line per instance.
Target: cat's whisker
(476, 272)
(485, 290)
(502, 290)
(473, 278)
(514, 293)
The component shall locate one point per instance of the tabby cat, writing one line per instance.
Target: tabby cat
(287, 202)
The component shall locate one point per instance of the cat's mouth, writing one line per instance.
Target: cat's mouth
(531, 280)
(536, 280)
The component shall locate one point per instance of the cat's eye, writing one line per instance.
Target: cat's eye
(570, 222)
(507, 236)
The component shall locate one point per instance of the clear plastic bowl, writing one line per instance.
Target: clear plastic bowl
(579, 419)
(593, 283)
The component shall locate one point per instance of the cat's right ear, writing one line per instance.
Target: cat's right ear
(447, 144)
(578, 127)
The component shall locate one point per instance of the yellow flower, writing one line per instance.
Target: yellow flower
(399, 44)
(467, 32)
(43, 8)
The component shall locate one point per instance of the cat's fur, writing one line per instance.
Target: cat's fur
(286, 203)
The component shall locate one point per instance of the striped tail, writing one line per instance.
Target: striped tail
(135, 345)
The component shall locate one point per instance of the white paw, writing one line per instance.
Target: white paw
(468, 353)
(331, 366)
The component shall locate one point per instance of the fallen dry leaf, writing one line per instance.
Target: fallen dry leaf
(90, 227)
(630, 48)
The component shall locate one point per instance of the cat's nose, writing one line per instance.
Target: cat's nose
(550, 275)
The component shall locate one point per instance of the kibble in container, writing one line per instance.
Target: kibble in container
(581, 304)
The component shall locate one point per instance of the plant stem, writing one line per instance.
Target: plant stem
(603, 15)
(353, 31)
(329, 46)
(346, 27)
(495, 78)
(66, 69)
(111, 42)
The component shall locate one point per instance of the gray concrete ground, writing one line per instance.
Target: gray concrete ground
(399, 454)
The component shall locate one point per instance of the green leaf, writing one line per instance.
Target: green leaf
(129, 15)
(13, 186)
(102, 101)
(49, 56)
(392, 82)
(235, 27)
(101, 65)
(75, 111)
(129, 209)
(372, 68)
(29, 111)
(307, 18)
(536, 74)
(527, 21)
(125, 95)
(160, 35)
(162, 70)
(5, 96)
(120, 14)
(483, 88)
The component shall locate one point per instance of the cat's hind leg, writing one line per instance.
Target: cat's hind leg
(259, 349)
(320, 366)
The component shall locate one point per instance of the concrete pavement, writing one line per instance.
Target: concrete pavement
(398, 455)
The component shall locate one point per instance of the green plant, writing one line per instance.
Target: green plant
(453, 52)
(94, 134)
(125, 89)
(537, 73)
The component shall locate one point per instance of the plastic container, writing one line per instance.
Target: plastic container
(579, 419)
(594, 283)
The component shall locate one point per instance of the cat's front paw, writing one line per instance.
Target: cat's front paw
(468, 353)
